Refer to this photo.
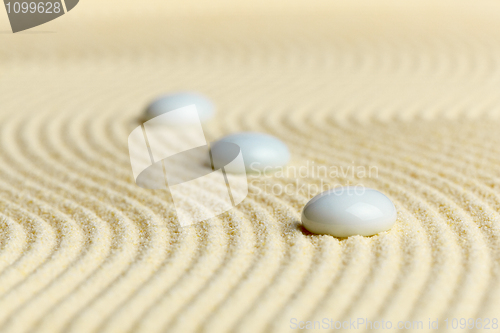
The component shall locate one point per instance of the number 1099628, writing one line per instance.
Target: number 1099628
(33, 7)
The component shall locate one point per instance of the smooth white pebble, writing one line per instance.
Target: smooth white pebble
(166, 103)
(348, 211)
(261, 152)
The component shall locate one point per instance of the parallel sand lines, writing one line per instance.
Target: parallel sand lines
(83, 249)
(473, 270)
(480, 256)
(13, 241)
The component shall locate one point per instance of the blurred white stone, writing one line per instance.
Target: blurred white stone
(261, 152)
(167, 103)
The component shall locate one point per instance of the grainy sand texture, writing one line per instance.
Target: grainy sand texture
(409, 89)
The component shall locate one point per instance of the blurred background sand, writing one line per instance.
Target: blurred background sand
(411, 87)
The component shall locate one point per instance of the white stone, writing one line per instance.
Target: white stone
(348, 211)
(164, 104)
(261, 152)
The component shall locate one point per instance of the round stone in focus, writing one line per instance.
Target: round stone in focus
(166, 103)
(349, 211)
(261, 152)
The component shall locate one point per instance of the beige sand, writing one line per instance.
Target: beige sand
(410, 88)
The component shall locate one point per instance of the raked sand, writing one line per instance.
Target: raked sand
(410, 89)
